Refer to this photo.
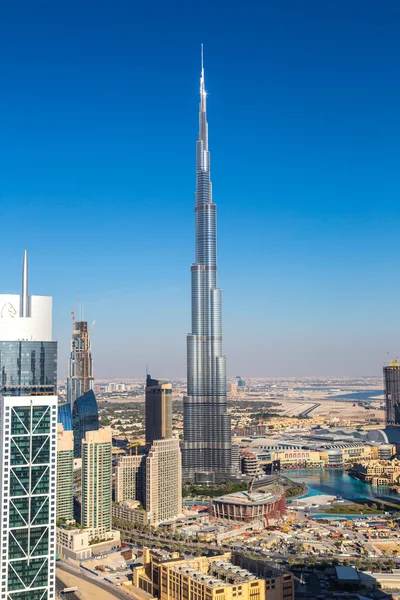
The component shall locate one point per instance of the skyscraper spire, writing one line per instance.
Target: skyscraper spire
(24, 291)
(202, 84)
(206, 426)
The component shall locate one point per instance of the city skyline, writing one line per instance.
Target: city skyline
(306, 103)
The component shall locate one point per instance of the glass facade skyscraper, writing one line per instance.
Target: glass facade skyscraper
(206, 448)
(28, 368)
(28, 430)
(28, 504)
(85, 417)
(65, 416)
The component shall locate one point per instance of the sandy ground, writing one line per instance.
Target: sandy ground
(88, 590)
(292, 409)
(331, 408)
(387, 548)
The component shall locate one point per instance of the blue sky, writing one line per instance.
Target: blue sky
(98, 122)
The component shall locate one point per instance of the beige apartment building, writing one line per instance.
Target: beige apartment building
(225, 577)
(131, 510)
(97, 480)
(154, 479)
(65, 474)
(164, 480)
(130, 478)
(378, 472)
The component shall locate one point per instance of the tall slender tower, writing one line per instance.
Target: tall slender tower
(28, 441)
(206, 422)
(158, 410)
(80, 365)
(392, 392)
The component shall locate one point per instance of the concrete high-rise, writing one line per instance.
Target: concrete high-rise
(154, 479)
(206, 447)
(97, 480)
(130, 478)
(65, 474)
(28, 430)
(80, 365)
(392, 392)
(164, 480)
(158, 410)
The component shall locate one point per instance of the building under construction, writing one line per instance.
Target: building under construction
(80, 365)
(392, 392)
(253, 506)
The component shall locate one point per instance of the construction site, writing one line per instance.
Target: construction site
(258, 505)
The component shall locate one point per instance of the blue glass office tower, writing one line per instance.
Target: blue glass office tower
(85, 417)
(206, 449)
(65, 416)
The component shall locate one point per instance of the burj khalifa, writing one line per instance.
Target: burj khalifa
(206, 447)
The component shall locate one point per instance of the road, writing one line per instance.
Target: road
(112, 590)
(281, 557)
(308, 410)
(60, 586)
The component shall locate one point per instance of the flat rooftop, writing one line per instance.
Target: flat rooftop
(219, 572)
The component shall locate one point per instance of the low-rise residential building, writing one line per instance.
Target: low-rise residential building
(79, 544)
(378, 472)
(131, 510)
(226, 577)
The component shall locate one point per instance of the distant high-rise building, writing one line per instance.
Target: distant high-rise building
(154, 479)
(233, 388)
(206, 447)
(241, 383)
(65, 474)
(80, 365)
(236, 458)
(392, 392)
(158, 410)
(28, 425)
(96, 504)
(85, 417)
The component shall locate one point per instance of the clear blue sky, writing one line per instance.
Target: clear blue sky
(98, 122)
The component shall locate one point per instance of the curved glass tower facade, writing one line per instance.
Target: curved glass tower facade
(207, 428)
(85, 417)
(64, 416)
